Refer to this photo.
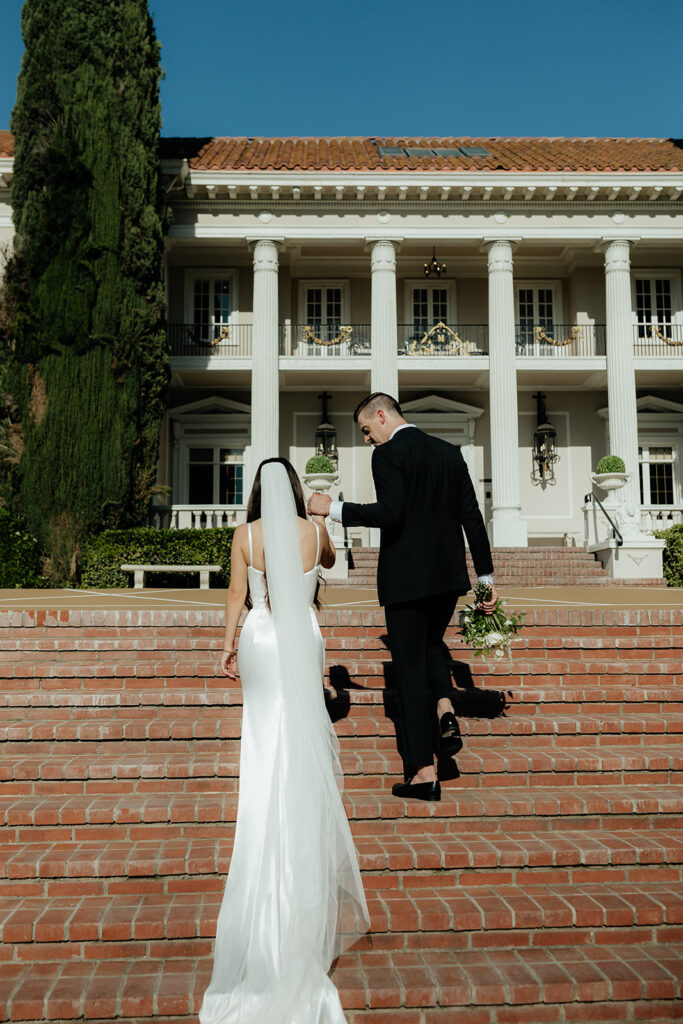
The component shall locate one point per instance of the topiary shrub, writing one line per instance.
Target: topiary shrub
(20, 554)
(673, 554)
(320, 464)
(103, 555)
(611, 464)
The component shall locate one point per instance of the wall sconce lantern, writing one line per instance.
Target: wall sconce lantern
(325, 433)
(434, 268)
(544, 454)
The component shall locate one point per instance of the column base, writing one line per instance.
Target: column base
(639, 558)
(508, 533)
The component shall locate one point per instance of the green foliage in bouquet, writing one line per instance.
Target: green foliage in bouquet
(102, 556)
(87, 352)
(611, 464)
(490, 634)
(673, 554)
(20, 555)
(320, 464)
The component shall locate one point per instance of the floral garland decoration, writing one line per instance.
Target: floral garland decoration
(310, 335)
(574, 335)
(656, 332)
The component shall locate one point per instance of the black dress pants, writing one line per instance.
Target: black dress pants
(421, 669)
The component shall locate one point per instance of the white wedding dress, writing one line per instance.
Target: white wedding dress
(293, 898)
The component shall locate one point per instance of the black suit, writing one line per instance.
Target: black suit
(425, 500)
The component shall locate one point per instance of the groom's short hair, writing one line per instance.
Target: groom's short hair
(378, 400)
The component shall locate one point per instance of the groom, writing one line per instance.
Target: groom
(425, 499)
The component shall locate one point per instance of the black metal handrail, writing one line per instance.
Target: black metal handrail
(616, 533)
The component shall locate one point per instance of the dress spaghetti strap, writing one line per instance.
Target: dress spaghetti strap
(251, 547)
(317, 546)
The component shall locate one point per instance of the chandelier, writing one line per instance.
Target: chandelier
(434, 268)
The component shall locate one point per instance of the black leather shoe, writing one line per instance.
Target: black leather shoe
(451, 740)
(417, 790)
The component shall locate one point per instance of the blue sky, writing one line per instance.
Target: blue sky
(480, 67)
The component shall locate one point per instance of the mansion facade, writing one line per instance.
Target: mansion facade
(495, 286)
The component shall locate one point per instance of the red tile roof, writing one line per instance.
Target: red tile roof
(362, 154)
(6, 144)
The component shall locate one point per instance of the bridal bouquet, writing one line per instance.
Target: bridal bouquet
(490, 634)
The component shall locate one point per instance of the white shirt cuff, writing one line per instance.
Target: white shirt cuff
(336, 511)
(488, 580)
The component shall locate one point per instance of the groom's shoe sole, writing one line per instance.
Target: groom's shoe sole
(417, 790)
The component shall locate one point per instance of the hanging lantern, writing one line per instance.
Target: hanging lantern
(325, 433)
(544, 455)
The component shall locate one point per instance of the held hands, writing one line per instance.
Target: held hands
(229, 664)
(319, 505)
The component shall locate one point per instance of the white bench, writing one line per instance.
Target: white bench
(140, 572)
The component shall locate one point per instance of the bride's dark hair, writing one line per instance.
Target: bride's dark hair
(254, 507)
(254, 503)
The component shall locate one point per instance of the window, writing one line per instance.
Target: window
(656, 475)
(210, 305)
(429, 307)
(535, 308)
(324, 310)
(215, 476)
(653, 304)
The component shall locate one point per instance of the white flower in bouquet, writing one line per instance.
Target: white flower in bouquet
(492, 633)
(494, 639)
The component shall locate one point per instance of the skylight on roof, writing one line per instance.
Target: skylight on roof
(475, 151)
(427, 151)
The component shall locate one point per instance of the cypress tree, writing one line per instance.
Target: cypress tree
(88, 366)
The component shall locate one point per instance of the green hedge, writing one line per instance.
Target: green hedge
(102, 556)
(20, 554)
(673, 555)
(611, 464)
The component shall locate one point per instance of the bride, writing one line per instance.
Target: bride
(293, 899)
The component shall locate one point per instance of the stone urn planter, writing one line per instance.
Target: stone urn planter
(610, 481)
(320, 481)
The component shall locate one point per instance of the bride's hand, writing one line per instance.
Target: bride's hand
(229, 664)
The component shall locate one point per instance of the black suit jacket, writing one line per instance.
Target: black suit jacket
(425, 499)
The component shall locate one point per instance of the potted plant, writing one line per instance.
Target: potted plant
(320, 473)
(610, 473)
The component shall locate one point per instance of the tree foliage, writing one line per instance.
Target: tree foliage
(88, 367)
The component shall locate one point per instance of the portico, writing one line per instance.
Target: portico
(284, 283)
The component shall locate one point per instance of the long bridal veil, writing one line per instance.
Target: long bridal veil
(296, 902)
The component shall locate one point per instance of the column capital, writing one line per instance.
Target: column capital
(389, 246)
(500, 252)
(617, 252)
(265, 252)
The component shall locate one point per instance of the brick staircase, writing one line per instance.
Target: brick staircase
(545, 887)
(515, 567)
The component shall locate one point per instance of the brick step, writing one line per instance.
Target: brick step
(68, 818)
(144, 725)
(371, 768)
(621, 979)
(425, 913)
(106, 867)
(202, 727)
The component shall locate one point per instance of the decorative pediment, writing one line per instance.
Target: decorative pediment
(212, 406)
(651, 406)
(437, 405)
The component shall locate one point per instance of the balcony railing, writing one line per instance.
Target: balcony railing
(561, 341)
(196, 517)
(443, 340)
(210, 340)
(658, 339)
(325, 341)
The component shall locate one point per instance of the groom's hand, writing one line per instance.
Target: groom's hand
(319, 504)
(490, 606)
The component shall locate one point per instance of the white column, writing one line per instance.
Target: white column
(265, 411)
(508, 529)
(621, 376)
(384, 327)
